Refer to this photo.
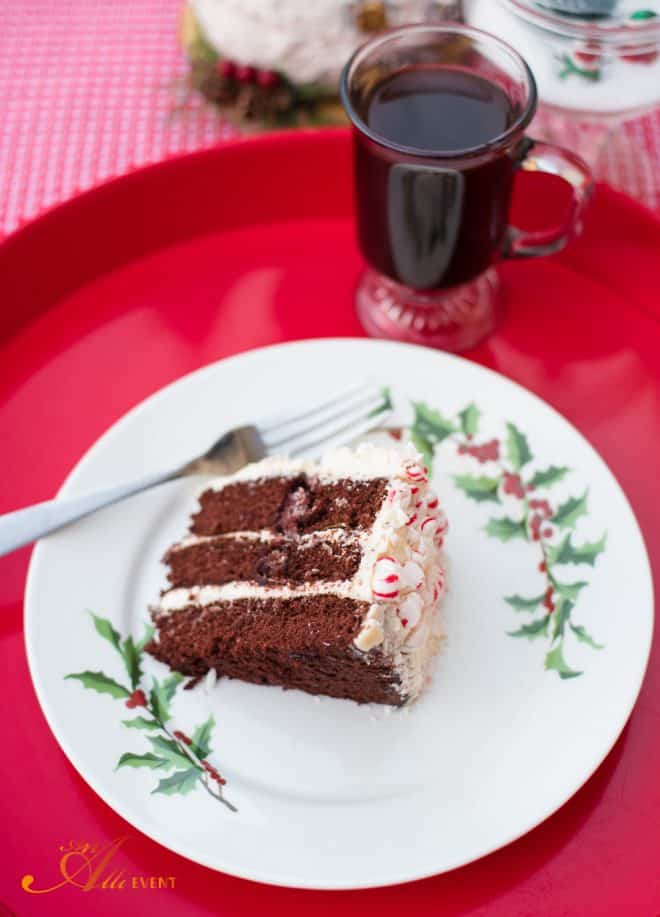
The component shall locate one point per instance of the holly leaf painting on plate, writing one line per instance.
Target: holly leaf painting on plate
(503, 470)
(171, 749)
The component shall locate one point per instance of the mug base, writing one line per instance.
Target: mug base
(455, 319)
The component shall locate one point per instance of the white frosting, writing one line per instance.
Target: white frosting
(184, 596)
(413, 660)
(366, 462)
(309, 41)
(303, 541)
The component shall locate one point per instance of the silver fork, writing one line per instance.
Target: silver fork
(305, 433)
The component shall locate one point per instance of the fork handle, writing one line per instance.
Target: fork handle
(26, 525)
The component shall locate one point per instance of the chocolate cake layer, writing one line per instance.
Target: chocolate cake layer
(274, 562)
(294, 505)
(303, 642)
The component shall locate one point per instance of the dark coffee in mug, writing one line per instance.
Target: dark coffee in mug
(424, 222)
(437, 108)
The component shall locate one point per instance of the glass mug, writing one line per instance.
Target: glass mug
(433, 180)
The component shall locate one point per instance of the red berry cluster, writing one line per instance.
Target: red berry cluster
(487, 452)
(547, 601)
(543, 511)
(535, 527)
(535, 524)
(137, 699)
(511, 484)
(542, 506)
(243, 73)
(213, 773)
(210, 770)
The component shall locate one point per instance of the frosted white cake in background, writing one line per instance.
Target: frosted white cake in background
(279, 61)
(310, 41)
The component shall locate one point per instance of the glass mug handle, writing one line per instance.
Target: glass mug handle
(554, 160)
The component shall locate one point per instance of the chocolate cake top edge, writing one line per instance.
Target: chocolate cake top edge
(365, 463)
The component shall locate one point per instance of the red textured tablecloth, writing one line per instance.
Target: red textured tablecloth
(92, 88)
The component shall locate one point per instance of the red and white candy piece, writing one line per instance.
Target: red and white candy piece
(432, 501)
(385, 584)
(390, 578)
(435, 527)
(429, 524)
(415, 472)
(412, 576)
(439, 587)
(410, 610)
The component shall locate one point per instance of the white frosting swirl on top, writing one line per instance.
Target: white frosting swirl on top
(364, 463)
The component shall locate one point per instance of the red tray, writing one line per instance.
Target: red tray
(122, 290)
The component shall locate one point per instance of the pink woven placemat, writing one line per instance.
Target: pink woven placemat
(90, 89)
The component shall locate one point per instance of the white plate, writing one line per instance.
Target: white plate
(330, 794)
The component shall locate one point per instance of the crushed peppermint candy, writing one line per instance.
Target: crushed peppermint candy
(410, 610)
(385, 583)
(412, 576)
(415, 472)
(428, 520)
(439, 587)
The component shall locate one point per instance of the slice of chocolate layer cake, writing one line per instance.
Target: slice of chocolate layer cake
(325, 577)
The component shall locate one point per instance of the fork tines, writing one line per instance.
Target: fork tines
(339, 419)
